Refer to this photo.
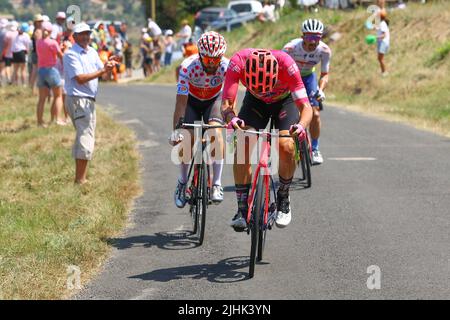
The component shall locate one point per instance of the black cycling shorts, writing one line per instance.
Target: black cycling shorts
(209, 110)
(257, 113)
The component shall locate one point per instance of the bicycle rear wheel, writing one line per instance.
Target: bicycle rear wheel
(255, 225)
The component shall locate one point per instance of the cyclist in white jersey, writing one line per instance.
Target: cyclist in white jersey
(308, 52)
(199, 95)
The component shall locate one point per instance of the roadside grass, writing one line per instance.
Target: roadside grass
(416, 89)
(46, 222)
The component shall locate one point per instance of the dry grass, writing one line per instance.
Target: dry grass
(46, 222)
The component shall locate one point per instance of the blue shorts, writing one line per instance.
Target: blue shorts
(311, 87)
(48, 77)
(382, 47)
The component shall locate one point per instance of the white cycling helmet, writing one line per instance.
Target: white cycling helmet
(312, 26)
(212, 44)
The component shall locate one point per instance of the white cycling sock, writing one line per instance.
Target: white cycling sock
(217, 172)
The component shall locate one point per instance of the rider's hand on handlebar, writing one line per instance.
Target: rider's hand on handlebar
(175, 138)
(236, 123)
(319, 95)
(298, 130)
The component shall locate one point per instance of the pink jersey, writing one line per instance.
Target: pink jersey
(289, 80)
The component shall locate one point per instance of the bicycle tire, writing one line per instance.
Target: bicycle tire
(262, 227)
(194, 201)
(202, 203)
(254, 228)
(306, 162)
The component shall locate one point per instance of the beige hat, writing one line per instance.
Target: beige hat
(38, 17)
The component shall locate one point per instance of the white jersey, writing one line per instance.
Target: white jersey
(195, 81)
(307, 61)
(384, 29)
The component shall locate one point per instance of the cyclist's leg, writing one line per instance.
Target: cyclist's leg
(316, 124)
(213, 116)
(311, 86)
(255, 115)
(191, 115)
(284, 117)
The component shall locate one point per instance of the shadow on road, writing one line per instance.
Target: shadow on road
(225, 271)
(174, 240)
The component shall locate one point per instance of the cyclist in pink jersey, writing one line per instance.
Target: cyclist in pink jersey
(199, 97)
(274, 89)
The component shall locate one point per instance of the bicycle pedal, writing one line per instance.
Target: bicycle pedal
(240, 229)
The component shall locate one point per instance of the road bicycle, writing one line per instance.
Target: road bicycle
(198, 192)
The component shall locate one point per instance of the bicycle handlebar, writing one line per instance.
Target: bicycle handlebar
(203, 126)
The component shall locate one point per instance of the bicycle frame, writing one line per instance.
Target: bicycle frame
(262, 168)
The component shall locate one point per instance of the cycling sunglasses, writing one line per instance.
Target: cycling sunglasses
(312, 37)
(209, 60)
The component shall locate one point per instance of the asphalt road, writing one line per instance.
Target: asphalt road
(381, 198)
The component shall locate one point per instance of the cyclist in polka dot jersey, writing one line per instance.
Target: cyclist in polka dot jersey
(199, 96)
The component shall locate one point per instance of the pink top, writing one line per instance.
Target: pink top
(47, 52)
(289, 79)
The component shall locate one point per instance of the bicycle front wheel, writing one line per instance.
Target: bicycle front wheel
(262, 227)
(202, 203)
(255, 224)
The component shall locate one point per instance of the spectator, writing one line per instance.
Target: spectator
(185, 32)
(169, 43)
(37, 34)
(383, 41)
(82, 68)
(155, 30)
(267, 13)
(58, 27)
(66, 45)
(158, 48)
(3, 25)
(189, 49)
(127, 50)
(128, 57)
(48, 51)
(279, 5)
(20, 49)
(147, 54)
(11, 35)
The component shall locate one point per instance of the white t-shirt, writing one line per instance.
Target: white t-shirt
(155, 30)
(384, 29)
(21, 43)
(269, 12)
(186, 32)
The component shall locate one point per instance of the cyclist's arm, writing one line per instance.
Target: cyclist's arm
(323, 81)
(182, 93)
(325, 69)
(230, 90)
(298, 93)
(180, 109)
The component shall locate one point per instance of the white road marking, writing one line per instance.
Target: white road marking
(132, 121)
(148, 144)
(146, 293)
(353, 159)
